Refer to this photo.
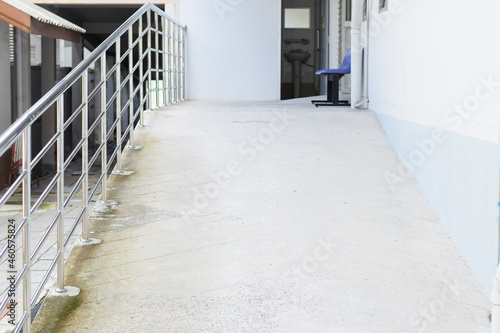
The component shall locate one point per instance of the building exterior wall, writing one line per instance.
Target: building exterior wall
(434, 81)
(233, 49)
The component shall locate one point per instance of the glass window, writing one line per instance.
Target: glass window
(365, 10)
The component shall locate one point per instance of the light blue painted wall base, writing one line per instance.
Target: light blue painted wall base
(459, 176)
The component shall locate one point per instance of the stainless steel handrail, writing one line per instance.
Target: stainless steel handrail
(169, 87)
(33, 113)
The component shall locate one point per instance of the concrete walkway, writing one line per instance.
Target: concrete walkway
(266, 217)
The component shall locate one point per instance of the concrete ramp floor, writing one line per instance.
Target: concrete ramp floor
(266, 217)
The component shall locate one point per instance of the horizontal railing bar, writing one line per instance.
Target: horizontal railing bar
(75, 114)
(136, 65)
(112, 157)
(74, 189)
(124, 111)
(111, 132)
(20, 324)
(44, 236)
(95, 123)
(124, 83)
(112, 71)
(126, 105)
(45, 149)
(112, 100)
(13, 188)
(46, 192)
(124, 55)
(95, 91)
(6, 298)
(4, 302)
(16, 234)
(20, 275)
(144, 32)
(96, 187)
(72, 229)
(75, 151)
(127, 130)
(44, 280)
(136, 90)
(96, 154)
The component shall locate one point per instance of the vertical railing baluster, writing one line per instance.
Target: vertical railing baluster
(149, 65)
(131, 85)
(85, 157)
(169, 62)
(60, 194)
(118, 109)
(183, 68)
(174, 59)
(157, 62)
(164, 59)
(27, 228)
(177, 82)
(104, 129)
(141, 72)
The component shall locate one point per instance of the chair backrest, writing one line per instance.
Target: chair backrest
(346, 63)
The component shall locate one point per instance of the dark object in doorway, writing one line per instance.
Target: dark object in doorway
(334, 76)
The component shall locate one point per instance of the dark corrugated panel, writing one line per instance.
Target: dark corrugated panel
(43, 15)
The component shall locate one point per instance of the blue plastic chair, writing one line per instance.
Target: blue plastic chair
(334, 76)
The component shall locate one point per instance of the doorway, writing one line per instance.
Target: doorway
(304, 47)
(345, 85)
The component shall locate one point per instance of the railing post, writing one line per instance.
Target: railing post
(174, 61)
(131, 85)
(157, 67)
(183, 67)
(169, 62)
(149, 65)
(141, 72)
(26, 229)
(118, 109)
(104, 129)
(60, 194)
(163, 49)
(177, 28)
(85, 157)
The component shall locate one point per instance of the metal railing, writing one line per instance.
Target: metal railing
(148, 77)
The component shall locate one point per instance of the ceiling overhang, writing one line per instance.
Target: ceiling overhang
(102, 2)
(52, 26)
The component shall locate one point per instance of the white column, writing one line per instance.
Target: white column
(356, 59)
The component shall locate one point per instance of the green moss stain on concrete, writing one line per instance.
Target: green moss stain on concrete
(54, 312)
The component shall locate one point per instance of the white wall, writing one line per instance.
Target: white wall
(233, 49)
(429, 67)
(433, 55)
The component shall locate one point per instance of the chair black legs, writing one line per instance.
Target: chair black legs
(332, 97)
